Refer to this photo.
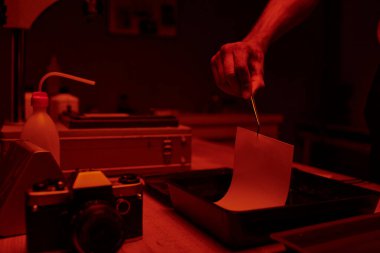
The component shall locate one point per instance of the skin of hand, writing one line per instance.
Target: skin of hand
(238, 68)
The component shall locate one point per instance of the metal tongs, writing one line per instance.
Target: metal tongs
(256, 114)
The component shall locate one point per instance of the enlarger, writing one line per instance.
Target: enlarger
(156, 144)
(115, 144)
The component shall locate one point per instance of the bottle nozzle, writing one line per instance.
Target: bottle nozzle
(75, 78)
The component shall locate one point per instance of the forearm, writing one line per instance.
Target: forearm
(279, 17)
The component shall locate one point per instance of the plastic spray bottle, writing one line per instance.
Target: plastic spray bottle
(39, 128)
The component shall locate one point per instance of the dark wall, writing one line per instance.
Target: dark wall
(360, 52)
(175, 72)
(306, 70)
(5, 74)
(151, 71)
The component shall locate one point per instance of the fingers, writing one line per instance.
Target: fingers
(257, 76)
(223, 70)
(219, 75)
(228, 62)
(238, 69)
(242, 73)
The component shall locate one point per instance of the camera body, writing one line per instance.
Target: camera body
(93, 214)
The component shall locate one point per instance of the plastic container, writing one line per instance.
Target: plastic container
(40, 129)
(62, 103)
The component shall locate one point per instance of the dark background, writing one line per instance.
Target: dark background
(318, 73)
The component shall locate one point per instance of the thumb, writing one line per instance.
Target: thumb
(257, 77)
(257, 82)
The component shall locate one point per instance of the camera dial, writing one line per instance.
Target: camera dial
(49, 185)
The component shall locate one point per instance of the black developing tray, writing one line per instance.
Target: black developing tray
(311, 199)
(350, 235)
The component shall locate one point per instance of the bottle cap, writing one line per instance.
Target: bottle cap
(40, 99)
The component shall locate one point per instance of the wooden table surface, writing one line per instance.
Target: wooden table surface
(166, 231)
(163, 231)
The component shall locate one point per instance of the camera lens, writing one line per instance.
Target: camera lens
(98, 228)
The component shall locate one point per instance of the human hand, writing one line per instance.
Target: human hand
(238, 68)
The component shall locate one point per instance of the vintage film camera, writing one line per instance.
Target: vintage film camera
(93, 214)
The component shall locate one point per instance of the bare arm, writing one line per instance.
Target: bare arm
(278, 17)
(238, 67)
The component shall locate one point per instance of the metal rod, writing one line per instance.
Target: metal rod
(256, 114)
(17, 78)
